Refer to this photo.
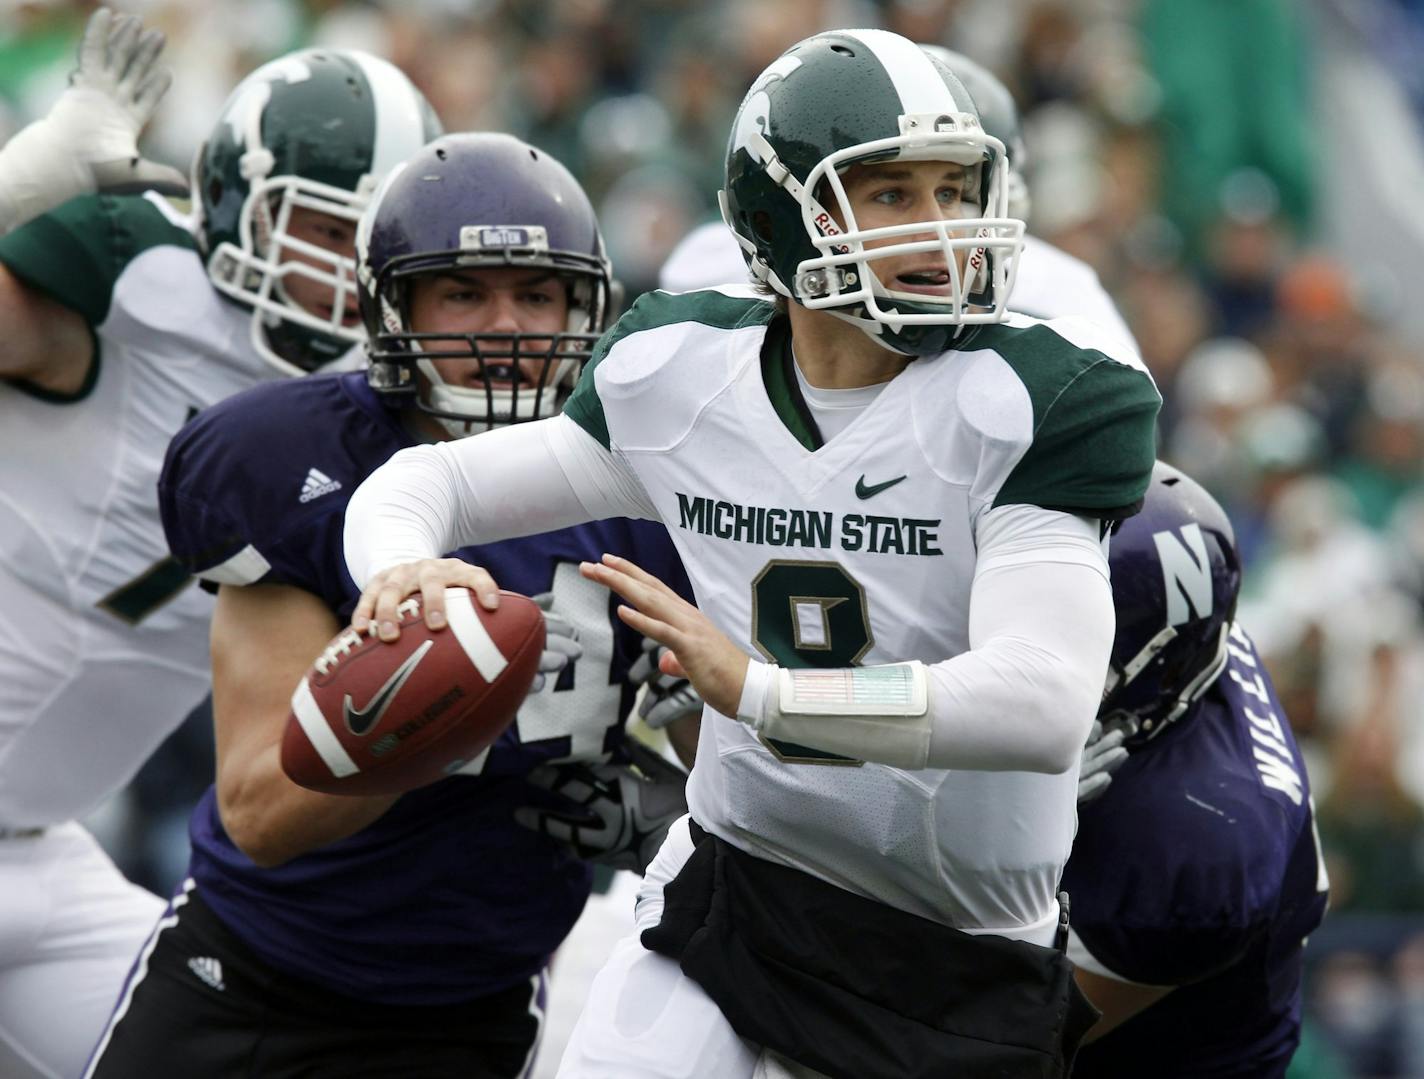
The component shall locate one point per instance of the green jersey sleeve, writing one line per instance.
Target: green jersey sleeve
(75, 254)
(1094, 436)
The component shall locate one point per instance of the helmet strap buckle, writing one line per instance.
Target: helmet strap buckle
(814, 284)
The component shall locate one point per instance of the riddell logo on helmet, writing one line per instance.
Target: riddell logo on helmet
(828, 227)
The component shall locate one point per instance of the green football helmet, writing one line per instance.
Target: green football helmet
(999, 115)
(866, 96)
(316, 129)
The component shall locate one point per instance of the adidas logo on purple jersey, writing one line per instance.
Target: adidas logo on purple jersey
(316, 484)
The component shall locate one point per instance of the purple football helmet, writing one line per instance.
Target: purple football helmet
(1175, 577)
(466, 202)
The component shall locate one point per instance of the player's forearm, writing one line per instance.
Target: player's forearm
(272, 820)
(1018, 704)
(1021, 699)
(263, 639)
(1041, 625)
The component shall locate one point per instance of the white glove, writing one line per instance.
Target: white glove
(614, 814)
(666, 698)
(89, 140)
(561, 645)
(1102, 756)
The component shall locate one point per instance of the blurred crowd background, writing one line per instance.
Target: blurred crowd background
(1244, 175)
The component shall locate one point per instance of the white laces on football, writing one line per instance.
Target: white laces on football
(352, 638)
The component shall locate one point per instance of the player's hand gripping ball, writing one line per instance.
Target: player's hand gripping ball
(376, 718)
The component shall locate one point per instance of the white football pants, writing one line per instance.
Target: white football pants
(645, 1019)
(70, 927)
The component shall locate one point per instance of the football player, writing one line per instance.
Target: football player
(1048, 282)
(398, 935)
(1196, 875)
(121, 319)
(890, 496)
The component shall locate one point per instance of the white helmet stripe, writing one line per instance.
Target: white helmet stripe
(400, 130)
(918, 82)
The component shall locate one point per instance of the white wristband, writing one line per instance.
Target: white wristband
(756, 691)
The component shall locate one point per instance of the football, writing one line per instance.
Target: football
(377, 718)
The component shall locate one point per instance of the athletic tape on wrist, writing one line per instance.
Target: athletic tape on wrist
(878, 713)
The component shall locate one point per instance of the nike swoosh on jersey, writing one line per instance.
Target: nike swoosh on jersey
(863, 491)
(361, 720)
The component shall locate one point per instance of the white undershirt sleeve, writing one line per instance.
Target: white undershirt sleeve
(1024, 695)
(513, 481)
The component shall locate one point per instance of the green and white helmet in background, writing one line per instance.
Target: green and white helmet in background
(998, 115)
(318, 128)
(865, 96)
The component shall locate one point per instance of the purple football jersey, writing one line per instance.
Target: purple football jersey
(1199, 868)
(445, 898)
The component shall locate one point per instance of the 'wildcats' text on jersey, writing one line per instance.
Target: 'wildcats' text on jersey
(455, 899)
(1200, 868)
(106, 647)
(862, 550)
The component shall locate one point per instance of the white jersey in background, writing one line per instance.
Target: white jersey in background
(105, 649)
(1054, 284)
(104, 643)
(1050, 283)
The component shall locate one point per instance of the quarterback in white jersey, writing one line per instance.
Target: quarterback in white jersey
(890, 496)
(116, 335)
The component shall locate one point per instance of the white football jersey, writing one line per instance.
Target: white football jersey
(104, 647)
(862, 551)
(1050, 283)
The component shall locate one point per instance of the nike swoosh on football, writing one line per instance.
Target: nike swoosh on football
(862, 491)
(361, 720)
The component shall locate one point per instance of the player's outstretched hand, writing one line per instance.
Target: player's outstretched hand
(1102, 756)
(699, 652)
(430, 577)
(615, 814)
(89, 140)
(667, 697)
